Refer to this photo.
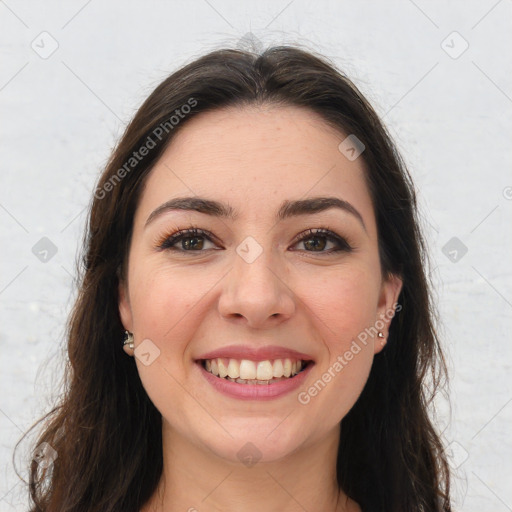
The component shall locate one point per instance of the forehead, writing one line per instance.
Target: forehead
(254, 158)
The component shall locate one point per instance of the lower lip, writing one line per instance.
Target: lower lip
(256, 391)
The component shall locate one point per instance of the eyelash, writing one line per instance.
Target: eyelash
(168, 242)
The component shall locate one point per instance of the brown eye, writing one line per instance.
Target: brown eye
(316, 240)
(192, 240)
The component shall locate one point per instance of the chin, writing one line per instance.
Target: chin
(256, 440)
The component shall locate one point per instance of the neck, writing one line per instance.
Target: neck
(196, 480)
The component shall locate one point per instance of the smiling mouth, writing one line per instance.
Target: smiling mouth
(246, 371)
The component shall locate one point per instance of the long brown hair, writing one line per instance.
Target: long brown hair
(102, 443)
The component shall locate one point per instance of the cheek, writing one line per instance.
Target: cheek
(344, 303)
(344, 307)
(166, 303)
(162, 298)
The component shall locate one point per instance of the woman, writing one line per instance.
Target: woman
(253, 246)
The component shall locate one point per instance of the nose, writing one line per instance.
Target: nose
(257, 292)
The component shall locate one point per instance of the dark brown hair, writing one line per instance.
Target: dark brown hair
(105, 431)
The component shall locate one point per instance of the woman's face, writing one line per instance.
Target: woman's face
(257, 285)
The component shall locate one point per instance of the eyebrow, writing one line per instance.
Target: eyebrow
(288, 208)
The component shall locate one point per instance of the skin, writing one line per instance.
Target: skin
(292, 295)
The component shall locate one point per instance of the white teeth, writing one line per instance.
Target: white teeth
(233, 369)
(287, 366)
(247, 369)
(264, 370)
(253, 372)
(223, 371)
(277, 368)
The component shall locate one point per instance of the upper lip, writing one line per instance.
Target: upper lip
(255, 353)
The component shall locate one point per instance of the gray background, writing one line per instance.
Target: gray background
(73, 74)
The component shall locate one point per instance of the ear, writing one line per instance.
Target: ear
(125, 310)
(388, 305)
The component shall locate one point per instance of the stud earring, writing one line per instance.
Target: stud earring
(128, 340)
(382, 338)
